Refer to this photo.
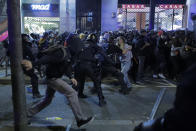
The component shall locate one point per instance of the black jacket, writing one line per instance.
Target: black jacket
(27, 52)
(89, 51)
(57, 65)
(140, 44)
(182, 116)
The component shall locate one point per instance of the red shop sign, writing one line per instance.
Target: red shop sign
(133, 6)
(171, 6)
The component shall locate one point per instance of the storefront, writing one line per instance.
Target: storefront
(134, 14)
(40, 17)
(88, 15)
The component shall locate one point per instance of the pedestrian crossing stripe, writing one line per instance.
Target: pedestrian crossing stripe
(169, 83)
(166, 86)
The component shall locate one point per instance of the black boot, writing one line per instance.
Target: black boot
(102, 102)
(93, 90)
(37, 95)
(81, 95)
(124, 91)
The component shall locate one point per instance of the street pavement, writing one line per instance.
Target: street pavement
(122, 112)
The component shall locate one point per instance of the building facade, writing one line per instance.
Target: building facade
(129, 15)
(135, 15)
(38, 16)
(191, 4)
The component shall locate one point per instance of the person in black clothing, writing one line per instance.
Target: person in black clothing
(182, 116)
(142, 51)
(87, 65)
(27, 54)
(58, 63)
(160, 53)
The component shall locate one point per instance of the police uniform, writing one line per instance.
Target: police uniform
(87, 66)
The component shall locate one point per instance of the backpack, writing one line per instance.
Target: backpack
(54, 48)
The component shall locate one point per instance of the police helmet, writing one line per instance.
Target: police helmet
(92, 37)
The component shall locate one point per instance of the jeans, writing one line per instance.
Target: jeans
(125, 67)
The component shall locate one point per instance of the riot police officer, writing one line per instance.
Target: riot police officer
(87, 65)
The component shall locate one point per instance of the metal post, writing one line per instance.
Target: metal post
(126, 21)
(173, 19)
(18, 90)
(194, 24)
(152, 14)
(140, 21)
(157, 21)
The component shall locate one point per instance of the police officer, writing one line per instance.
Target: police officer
(88, 66)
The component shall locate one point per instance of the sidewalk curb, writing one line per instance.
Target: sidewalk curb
(8, 81)
(36, 128)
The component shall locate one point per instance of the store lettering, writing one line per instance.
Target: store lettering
(133, 6)
(40, 7)
(172, 6)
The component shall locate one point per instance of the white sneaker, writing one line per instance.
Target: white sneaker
(162, 76)
(155, 76)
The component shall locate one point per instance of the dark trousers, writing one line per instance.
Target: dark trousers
(177, 64)
(90, 70)
(141, 67)
(34, 80)
(160, 64)
(112, 70)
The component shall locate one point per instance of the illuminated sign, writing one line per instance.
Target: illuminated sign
(171, 6)
(40, 7)
(3, 36)
(133, 6)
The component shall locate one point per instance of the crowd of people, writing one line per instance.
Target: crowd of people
(125, 55)
(128, 56)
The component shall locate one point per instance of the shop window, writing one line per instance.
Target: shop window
(39, 25)
(166, 19)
